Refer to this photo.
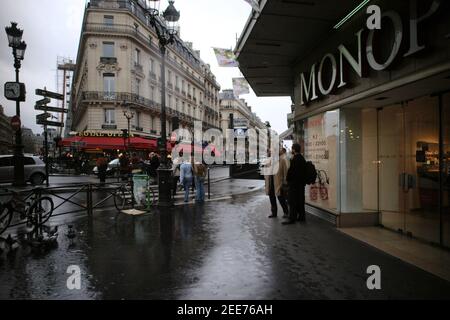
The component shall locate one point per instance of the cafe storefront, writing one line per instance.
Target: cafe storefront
(372, 111)
(92, 144)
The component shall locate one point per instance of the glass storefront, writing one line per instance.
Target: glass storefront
(445, 120)
(358, 160)
(409, 168)
(320, 144)
(384, 160)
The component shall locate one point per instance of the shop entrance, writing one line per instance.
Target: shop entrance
(409, 172)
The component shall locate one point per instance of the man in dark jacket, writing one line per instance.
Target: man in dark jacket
(296, 185)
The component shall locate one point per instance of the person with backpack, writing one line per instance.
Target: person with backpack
(200, 171)
(297, 180)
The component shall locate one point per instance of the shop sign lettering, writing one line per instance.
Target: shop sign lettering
(312, 82)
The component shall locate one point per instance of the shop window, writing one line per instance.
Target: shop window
(319, 138)
(446, 170)
(358, 160)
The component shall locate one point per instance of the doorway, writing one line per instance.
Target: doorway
(409, 171)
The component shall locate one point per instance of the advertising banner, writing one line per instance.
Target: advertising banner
(226, 58)
(240, 86)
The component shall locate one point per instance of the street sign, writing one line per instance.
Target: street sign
(50, 109)
(48, 94)
(43, 102)
(50, 123)
(16, 123)
(43, 116)
(15, 91)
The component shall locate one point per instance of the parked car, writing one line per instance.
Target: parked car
(113, 167)
(34, 169)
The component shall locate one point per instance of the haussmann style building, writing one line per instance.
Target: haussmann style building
(118, 68)
(371, 106)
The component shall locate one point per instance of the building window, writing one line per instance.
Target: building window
(108, 20)
(108, 49)
(152, 93)
(109, 85)
(152, 65)
(110, 116)
(137, 86)
(137, 57)
(137, 119)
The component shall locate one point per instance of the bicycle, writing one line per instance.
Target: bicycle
(36, 212)
(124, 197)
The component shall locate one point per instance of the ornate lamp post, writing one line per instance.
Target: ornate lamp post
(129, 115)
(15, 42)
(166, 29)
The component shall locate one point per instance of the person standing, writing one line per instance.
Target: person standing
(276, 186)
(200, 172)
(124, 163)
(186, 178)
(296, 176)
(176, 174)
(102, 167)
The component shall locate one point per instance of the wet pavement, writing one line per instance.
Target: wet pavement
(222, 250)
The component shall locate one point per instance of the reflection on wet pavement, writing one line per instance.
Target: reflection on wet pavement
(221, 250)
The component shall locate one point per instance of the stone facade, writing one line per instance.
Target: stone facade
(119, 60)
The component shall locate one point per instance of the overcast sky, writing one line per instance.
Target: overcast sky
(52, 29)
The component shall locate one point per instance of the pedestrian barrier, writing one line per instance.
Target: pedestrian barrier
(109, 195)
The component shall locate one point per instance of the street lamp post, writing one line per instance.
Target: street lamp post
(15, 42)
(129, 115)
(166, 30)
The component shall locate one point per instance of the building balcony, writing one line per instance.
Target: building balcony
(108, 60)
(109, 127)
(119, 97)
(129, 30)
(138, 128)
(138, 68)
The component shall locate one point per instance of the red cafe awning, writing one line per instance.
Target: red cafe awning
(109, 143)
